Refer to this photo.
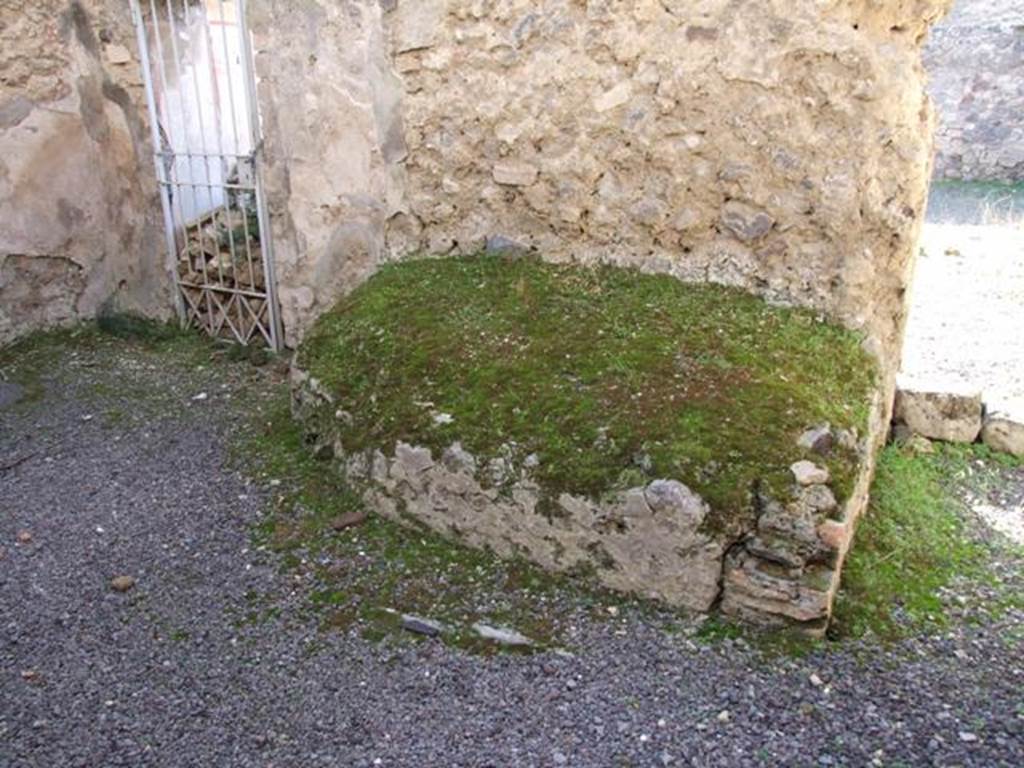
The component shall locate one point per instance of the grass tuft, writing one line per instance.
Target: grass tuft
(914, 542)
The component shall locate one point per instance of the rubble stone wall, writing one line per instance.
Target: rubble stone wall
(79, 217)
(783, 146)
(780, 146)
(975, 60)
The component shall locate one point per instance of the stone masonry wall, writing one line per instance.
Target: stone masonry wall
(659, 541)
(975, 60)
(782, 146)
(333, 136)
(79, 218)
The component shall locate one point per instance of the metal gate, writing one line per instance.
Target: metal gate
(197, 67)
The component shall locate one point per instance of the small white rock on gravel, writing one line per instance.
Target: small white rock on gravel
(1007, 520)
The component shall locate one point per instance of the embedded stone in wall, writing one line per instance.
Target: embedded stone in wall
(746, 222)
(416, 24)
(808, 473)
(515, 174)
(613, 98)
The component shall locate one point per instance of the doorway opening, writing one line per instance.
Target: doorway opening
(197, 68)
(967, 299)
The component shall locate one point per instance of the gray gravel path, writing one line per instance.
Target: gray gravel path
(169, 673)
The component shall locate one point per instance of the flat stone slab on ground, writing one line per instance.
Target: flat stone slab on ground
(940, 413)
(1004, 431)
(502, 635)
(421, 626)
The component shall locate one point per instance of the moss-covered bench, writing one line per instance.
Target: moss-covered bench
(691, 444)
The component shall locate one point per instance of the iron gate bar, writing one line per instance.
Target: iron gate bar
(223, 292)
(262, 211)
(176, 55)
(174, 155)
(234, 133)
(162, 182)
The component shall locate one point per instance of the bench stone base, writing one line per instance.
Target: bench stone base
(657, 541)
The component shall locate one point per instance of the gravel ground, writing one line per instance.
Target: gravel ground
(123, 472)
(999, 503)
(967, 300)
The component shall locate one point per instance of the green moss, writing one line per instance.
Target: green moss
(130, 326)
(771, 642)
(608, 375)
(28, 361)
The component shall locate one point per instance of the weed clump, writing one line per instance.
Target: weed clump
(915, 541)
(131, 326)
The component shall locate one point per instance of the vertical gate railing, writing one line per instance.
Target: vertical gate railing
(197, 69)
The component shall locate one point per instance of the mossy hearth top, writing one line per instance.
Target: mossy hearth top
(605, 376)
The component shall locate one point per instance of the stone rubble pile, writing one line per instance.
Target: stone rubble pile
(222, 250)
(222, 256)
(787, 570)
